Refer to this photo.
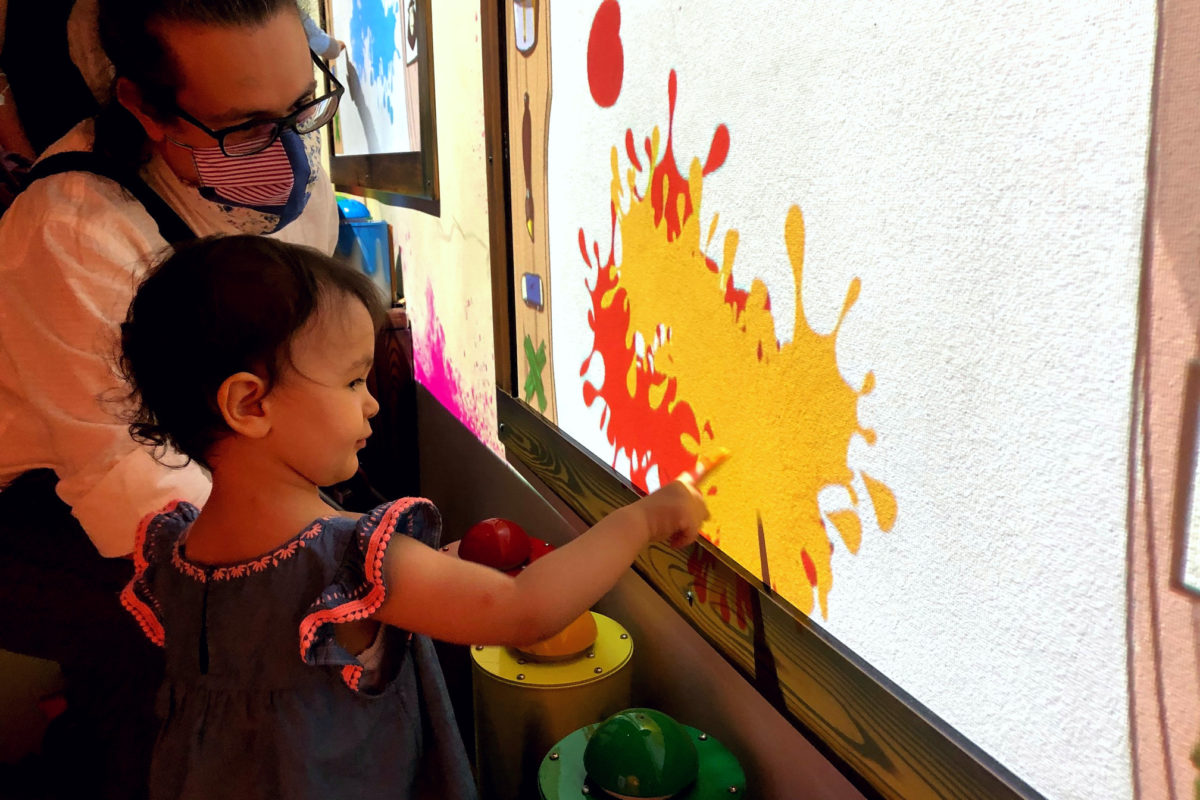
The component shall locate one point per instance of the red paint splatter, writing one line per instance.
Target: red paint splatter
(667, 185)
(711, 590)
(810, 569)
(700, 563)
(719, 602)
(631, 417)
(745, 606)
(605, 56)
(632, 151)
(657, 429)
(737, 298)
(718, 150)
(583, 247)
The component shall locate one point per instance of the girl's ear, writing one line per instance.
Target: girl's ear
(240, 399)
(130, 96)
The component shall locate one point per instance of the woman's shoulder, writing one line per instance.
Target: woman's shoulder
(79, 184)
(78, 209)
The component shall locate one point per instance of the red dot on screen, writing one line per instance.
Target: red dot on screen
(605, 56)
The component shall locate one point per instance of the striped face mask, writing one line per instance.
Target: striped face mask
(275, 183)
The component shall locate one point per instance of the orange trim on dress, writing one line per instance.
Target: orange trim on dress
(367, 604)
(260, 564)
(351, 674)
(146, 616)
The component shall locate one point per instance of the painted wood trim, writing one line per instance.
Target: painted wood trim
(495, 135)
(530, 94)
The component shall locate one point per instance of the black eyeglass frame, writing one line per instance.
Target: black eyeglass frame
(281, 123)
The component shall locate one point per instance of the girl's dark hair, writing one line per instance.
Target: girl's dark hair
(215, 307)
(130, 33)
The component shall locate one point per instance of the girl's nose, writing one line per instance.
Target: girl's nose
(372, 406)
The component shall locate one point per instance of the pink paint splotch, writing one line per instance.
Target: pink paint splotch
(435, 370)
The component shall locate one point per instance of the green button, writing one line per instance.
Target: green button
(641, 752)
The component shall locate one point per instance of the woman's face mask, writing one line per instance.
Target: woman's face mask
(274, 184)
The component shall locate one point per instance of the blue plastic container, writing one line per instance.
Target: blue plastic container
(363, 243)
(351, 209)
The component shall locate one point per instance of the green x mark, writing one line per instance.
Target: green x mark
(533, 380)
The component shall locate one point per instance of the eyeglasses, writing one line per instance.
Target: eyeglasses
(257, 135)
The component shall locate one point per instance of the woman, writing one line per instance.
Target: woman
(212, 131)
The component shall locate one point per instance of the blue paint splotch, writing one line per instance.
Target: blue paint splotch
(373, 28)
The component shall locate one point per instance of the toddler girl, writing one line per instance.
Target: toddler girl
(298, 663)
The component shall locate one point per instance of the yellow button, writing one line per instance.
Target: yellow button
(570, 641)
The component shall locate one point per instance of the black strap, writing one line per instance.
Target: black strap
(172, 228)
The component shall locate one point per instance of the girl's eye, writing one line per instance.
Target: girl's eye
(357, 382)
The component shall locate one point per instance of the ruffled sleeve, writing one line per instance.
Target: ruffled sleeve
(156, 536)
(359, 588)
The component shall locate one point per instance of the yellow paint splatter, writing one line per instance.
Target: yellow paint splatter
(710, 373)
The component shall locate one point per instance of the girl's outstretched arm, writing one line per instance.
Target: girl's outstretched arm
(460, 601)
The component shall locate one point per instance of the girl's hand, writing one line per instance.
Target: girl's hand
(674, 513)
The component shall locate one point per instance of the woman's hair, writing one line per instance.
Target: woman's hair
(215, 307)
(131, 35)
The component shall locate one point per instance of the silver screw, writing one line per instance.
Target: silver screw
(733, 790)
(585, 790)
(598, 670)
(691, 597)
(554, 756)
(520, 661)
(624, 635)
(591, 653)
(520, 676)
(478, 647)
(704, 737)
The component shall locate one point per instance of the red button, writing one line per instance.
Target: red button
(495, 542)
